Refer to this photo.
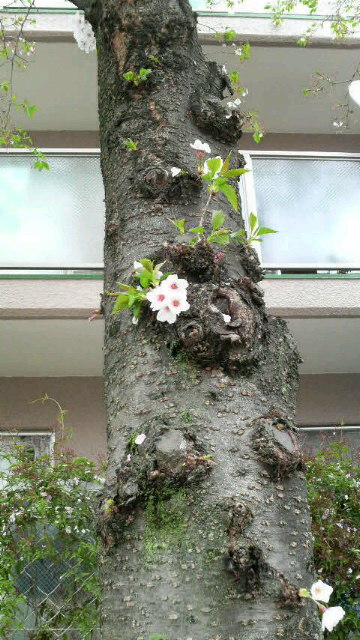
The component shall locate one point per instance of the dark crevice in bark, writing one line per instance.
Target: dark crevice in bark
(206, 527)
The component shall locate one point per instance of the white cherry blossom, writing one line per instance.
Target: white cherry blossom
(166, 315)
(140, 438)
(332, 617)
(169, 298)
(175, 171)
(321, 591)
(200, 146)
(234, 105)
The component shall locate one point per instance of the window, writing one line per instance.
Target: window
(312, 200)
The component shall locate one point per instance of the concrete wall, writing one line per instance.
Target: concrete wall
(329, 399)
(341, 143)
(81, 397)
(323, 400)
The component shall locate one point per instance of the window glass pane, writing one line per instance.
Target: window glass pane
(35, 445)
(314, 204)
(51, 218)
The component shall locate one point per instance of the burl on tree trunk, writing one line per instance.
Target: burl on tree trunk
(206, 525)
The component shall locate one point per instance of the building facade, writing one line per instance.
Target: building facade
(304, 182)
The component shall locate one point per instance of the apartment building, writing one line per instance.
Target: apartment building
(305, 183)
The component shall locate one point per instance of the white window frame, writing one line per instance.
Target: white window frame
(23, 433)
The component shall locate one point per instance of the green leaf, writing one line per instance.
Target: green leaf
(41, 164)
(196, 230)
(30, 109)
(263, 230)
(129, 76)
(258, 136)
(253, 222)
(145, 278)
(126, 287)
(219, 237)
(144, 73)
(207, 176)
(218, 219)
(214, 165)
(231, 195)
(226, 164)
(235, 173)
(121, 303)
(148, 264)
(130, 144)
(192, 242)
(238, 236)
(179, 224)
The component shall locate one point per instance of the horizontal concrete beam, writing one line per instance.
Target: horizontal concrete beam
(49, 298)
(312, 298)
(257, 29)
(69, 298)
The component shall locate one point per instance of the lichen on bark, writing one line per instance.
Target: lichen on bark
(207, 394)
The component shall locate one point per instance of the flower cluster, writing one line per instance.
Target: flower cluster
(169, 298)
(322, 591)
(84, 34)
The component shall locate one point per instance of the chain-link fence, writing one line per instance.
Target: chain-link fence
(51, 604)
(49, 551)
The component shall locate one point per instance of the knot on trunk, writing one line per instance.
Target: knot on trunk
(166, 461)
(276, 446)
(211, 116)
(168, 458)
(157, 182)
(251, 263)
(153, 180)
(246, 562)
(224, 328)
(196, 262)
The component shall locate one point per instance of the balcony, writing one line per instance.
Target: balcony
(51, 258)
(54, 220)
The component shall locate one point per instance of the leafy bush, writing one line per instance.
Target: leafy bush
(334, 495)
(49, 554)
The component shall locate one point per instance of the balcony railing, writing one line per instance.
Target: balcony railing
(55, 219)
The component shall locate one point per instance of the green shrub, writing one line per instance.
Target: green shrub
(334, 495)
(48, 545)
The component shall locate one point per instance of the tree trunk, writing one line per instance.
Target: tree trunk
(206, 528)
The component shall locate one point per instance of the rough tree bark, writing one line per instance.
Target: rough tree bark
(206, 530)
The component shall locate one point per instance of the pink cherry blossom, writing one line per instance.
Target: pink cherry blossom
(157, 298)
(174, 283)
(178, 303)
